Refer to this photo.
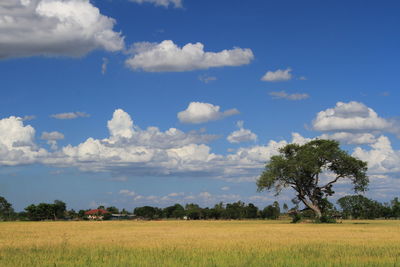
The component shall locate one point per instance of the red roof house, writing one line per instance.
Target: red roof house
(97, 214)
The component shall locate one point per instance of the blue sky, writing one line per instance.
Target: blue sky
(225, 83)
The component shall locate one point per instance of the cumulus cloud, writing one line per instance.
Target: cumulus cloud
(130, 151)
(168, 57)
(241, 135)
(163, 3)
(121, 125)
(198, 112)
(52, 138)
(381, 158)
(17, 145)
(277, 76)
(124, 132)
(138, 151)
(352, 117)
(135, 152)
(351, 138)
(55, 28)
(284, 95)
(70, 115)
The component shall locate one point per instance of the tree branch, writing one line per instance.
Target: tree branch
(332, 182)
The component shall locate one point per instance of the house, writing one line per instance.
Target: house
(96, 214)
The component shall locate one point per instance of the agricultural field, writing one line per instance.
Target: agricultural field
(199, 243)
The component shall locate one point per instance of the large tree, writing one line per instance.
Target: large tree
(306, 168)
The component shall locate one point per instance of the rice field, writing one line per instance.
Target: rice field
(199, 243)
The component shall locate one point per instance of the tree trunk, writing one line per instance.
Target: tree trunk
(312, 206)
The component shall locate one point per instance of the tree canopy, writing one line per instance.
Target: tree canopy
(302, 167)
(6, 210)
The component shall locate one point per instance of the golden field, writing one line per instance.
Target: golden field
(199, 243)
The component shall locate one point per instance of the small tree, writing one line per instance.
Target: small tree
(285, 207)
(6, 210)
(300, 167)
(270, 212)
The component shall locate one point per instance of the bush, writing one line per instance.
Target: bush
(325, 219)
(296, 217)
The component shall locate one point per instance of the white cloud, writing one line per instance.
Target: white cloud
(132, 152)
(206, 79)
(205, 195)
(381, 158)
(262, 198)
(69, 115)
(225, 188)
(176, 194)
(198, 112)
(121, 125)
(261, 154)
(351, 138)
(55, 28)
(164, 3)
(124, 132)
(241, 135)
(104, 65)
(284, 95)
(167, 56)
(17, 145)
(127, 192)
(28, 117)
(151, 152)
(277, 76)
(350, 117)
(52, 138)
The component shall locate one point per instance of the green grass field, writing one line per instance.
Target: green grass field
(199, 243)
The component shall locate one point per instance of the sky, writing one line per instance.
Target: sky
(129, 103)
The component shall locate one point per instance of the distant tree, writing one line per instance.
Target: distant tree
(112, 210)
(218, 211)
(59, 209)
(395, 207)
(236, 210)
(360, 207)
(271, 212)
(251, 211)
(148, 212)
(285, 207)
(300, 167)
(81, 214)
(6, 210)
(46, 211)
(276, 206)
(123, 211)
(32, 212)
(71, 214)
(193, 211)
(179, 212)
(175, 211)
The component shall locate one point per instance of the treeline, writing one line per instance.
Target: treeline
(237, 210)
(349, 207)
